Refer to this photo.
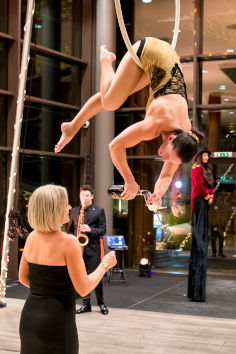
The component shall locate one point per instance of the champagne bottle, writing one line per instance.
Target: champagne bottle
(115, 191)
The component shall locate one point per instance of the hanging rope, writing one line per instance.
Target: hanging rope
(16, 142)
(126, 37)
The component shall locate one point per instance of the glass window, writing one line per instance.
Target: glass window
(138, 224)
(40, 170)
(3, 65)
(3, 172)
(187, 69)
(219, 27)
(54, 80)
(219, 82)
(157, 19)
(220, 129)
(43, 128)
(62, 20)
(3, 120)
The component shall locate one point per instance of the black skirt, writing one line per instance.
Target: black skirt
(198, 256)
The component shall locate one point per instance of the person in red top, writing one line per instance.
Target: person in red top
(202, 196)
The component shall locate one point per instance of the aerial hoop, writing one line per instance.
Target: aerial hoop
(125, 34)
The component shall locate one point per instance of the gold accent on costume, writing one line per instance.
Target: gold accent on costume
(80, 237)
(207, 197)
(193, 135)
(158, 60)
(195, 165)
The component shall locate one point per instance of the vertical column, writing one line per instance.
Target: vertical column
(14, 8)
(197, 65)
(104, 121)
(50, 84)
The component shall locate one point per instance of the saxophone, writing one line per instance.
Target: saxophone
(83, 239)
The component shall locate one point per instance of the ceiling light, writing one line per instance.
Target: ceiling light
(147, 1)
(229, 50)
(226, 99)
(231, 112)
(222, 87)
(204, 71)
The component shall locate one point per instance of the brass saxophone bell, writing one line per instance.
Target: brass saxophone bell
(83, 239)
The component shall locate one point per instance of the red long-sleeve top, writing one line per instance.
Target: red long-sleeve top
(199, 185)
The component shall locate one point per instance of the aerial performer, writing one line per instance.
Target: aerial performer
(166, 111)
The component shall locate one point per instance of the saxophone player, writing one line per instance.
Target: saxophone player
(94, 226)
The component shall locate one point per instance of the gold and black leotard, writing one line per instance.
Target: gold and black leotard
(161, 63)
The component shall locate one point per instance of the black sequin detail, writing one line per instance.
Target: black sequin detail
(175, 85)
(158, 74)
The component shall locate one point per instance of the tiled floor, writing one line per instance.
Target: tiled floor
(130, 331)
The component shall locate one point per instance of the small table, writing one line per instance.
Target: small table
(121, 271)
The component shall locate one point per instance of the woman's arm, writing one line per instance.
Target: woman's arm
(24, 271)
(133, 135)
(82, 282)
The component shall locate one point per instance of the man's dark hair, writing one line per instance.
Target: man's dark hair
(186, 145)
(87, 187)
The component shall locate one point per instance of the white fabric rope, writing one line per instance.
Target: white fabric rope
(177, 19)
(126, 37)
(16, 143)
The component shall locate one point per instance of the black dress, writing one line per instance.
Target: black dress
(47, 324)
(198, 256)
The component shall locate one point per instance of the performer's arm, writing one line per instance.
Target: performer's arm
(141, 131)
(165, 178)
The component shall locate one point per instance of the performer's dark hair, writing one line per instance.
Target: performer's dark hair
(207, 167)
(186, 145)
(87, 187)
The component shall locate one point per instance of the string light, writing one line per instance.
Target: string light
(15, 151)
(185, 241)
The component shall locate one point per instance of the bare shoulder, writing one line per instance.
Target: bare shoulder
(30, 237)
(69, 241)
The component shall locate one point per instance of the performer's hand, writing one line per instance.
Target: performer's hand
(130, 190)
(85, 228)
(110, 258)
(155, 199)
(210, 201)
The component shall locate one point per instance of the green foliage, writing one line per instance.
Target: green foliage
(176, 242)
(169, 218)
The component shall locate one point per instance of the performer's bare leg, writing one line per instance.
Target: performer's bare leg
(116, 88)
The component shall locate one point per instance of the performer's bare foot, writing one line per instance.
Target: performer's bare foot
(64, 140)
(105, 55)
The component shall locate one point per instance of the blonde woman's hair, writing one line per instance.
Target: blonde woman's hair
(46, 206)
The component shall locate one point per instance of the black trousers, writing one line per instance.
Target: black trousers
(217, 231)
(91, 263)
(198, 255)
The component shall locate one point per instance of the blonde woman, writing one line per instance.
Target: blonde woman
(52, 266)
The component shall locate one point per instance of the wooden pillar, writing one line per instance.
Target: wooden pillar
(214, 122)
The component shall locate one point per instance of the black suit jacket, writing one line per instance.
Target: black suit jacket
(95, 218)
